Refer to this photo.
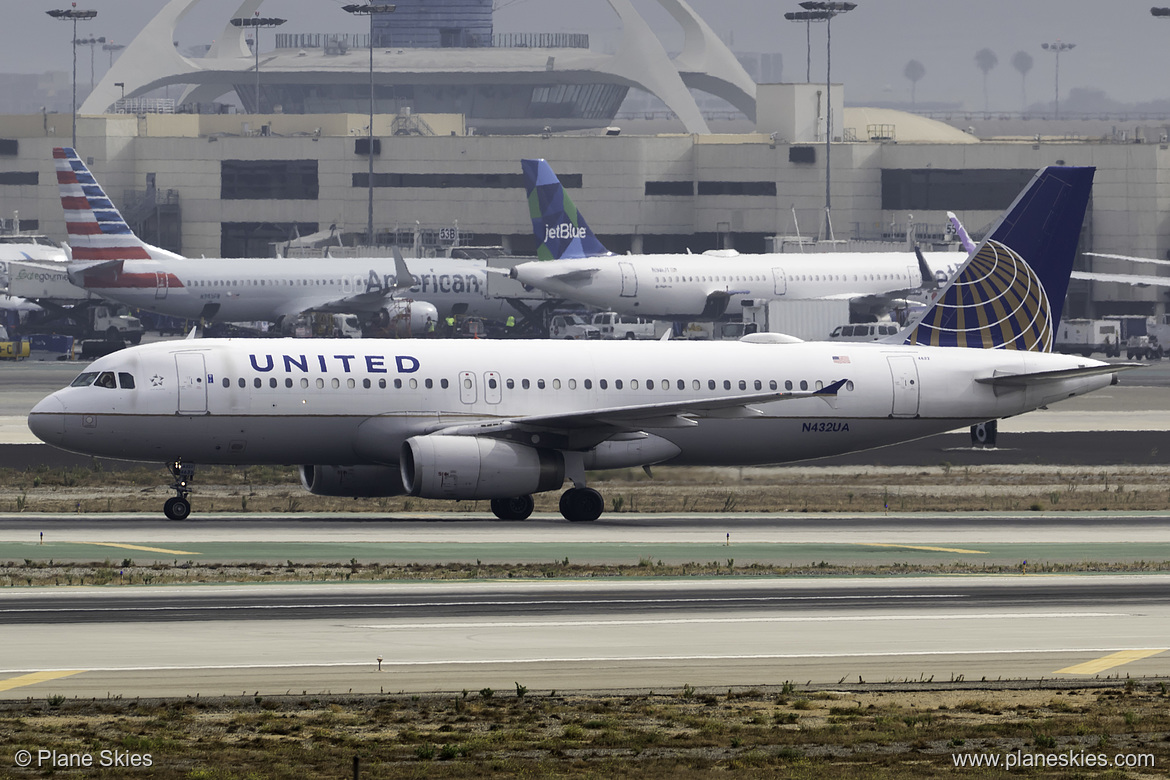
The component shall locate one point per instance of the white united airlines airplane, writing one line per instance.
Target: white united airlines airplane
(118, 266)
(575, 265)
(502, 420)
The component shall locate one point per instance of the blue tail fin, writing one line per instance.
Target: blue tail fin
(1010, 293)
(560, 230)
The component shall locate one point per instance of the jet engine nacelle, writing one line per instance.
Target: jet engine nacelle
(468, 467)
(352, 481)
(409, 318)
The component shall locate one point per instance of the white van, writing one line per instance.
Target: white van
(864, 331)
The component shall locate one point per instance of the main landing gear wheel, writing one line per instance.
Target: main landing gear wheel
(582, 505)
(177, 508)
(518, 508)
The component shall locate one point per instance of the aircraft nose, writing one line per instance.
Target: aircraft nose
(47, 420)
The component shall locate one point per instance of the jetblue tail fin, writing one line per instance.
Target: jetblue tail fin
(1009, 294)
(560, 230)
(97, 230)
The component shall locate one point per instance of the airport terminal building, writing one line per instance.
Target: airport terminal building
(243, 184)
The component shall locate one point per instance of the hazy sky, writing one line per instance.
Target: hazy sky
(1120, 48)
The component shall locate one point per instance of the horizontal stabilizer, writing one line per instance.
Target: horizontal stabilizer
(1041, 377)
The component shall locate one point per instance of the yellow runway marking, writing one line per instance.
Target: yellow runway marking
(930, 549)
(34, 678)
(139, 547)
(1108, 662)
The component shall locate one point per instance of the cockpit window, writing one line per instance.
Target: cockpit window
(84, 380)
(106, 379)
(127, 380)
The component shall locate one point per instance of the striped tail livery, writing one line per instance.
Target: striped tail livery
(97, 231)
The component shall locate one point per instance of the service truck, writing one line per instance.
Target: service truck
(1084, 337)
(572, 326)
(623, 326)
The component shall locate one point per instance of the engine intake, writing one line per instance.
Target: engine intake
(467, 467)
(352, 481)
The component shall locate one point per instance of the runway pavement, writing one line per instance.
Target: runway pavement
(774, 539)
(580, 636)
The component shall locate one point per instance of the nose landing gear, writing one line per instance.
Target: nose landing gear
(179, 507)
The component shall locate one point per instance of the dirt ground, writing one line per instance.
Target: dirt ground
(788, 488)
(875, 731)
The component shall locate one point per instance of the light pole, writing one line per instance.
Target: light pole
(370, 10)
(72, 14)
(112, 47)
(829, 9)
(92, 43)
(808, 17)
(256, 22)
(1057, 48)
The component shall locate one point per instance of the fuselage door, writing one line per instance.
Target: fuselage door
(492, 390)
(780, 281)
(467, 392)
(904, 372)
(160, 284)
(192, 375)
(629, 280)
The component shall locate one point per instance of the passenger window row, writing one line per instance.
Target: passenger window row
(526, 384)
(269, 282)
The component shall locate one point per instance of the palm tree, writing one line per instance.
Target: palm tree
(914, 71)
(985, 60)
(1022, 61)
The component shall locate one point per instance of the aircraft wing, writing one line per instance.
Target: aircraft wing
(1131, 258)
(350, 304)
(586, 428)
(371, 301)
(576, 276)
(1137, 280)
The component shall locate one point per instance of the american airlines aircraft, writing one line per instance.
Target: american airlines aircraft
(502, 420)
(120, 267)
(575, 265)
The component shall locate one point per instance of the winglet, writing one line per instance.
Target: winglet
(828, 393)
(560, 229)
(403, 278)
(832, 389)
(961, 233)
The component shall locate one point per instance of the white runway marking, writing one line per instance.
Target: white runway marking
(682, 621)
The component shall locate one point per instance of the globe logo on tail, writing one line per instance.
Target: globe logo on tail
(996, 302)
